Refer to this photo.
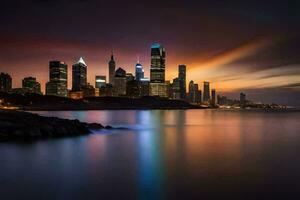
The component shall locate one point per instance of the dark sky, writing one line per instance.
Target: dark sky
(237, 45)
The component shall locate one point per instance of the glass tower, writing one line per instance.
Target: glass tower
(79, 75)
(58, 79)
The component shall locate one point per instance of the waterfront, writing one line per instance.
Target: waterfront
(164, 154)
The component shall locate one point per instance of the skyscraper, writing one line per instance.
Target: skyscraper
(243, 100)
(157, 71)
(58, 79)
(111, 69)
(158, 59)
(31, 85)
(182, 80)
(194, 95)
(139, 71)
(175, 89)
(206, 92)
(79, 75)
(213, 97)
(5, 82)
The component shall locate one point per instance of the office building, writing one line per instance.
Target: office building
(5, 82)
(79, 75)
(129, 77)
(206, 92)
(58, 79)
(111, 69)
(175, 92)
(88, 91)
(120, 80)
(31, 85)
(243, 100)
(194, 94)
(139, 71)
(100, 81)
(182, 81)
(157, 71)
(213, 97)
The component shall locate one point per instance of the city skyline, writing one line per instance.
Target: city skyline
(249, 46)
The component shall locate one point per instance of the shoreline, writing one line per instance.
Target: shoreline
(19, 125)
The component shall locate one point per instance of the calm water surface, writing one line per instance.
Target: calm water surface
(189, 154)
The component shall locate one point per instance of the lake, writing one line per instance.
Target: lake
(176, 154)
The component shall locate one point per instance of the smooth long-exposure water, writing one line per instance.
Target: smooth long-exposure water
(180, 154)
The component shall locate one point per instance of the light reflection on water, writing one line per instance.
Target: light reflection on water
(163, 154)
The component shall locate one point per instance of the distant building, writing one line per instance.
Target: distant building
(111, 69)
(243, 100)
(139, 71)
(175, 90)
(132, 88)
(182, 80)
(76, 94)
(120, 80)
(198, 94)
(129, 77)
(221, 100)
(100, 81)
(213, 97)
(206, 92)
(58, 79)
(5, 82)
(21, 91)
(31, 85)
(157, 71)
(79, 75)
(144, 85)
(88, 91)
(194, 94)
(107, 91)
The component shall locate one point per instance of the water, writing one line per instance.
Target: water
(189, 154)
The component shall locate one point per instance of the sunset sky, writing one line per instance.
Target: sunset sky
(250, 46)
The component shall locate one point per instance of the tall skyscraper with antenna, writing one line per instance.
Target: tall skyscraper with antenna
(111, 69)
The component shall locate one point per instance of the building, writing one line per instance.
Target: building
(158, 89)
(132, 88)
(111, 69)
(157, 71)
(206, 92)
(79, 75)
(243, 100)
(5, 82)
(175, 89)
(88, 91)
(194, 94)
(144, 85)
(213, 97)
(182, 81)
(58, 79)
(137, 88)
(107, 91)
(31, 85)
(129, 77)
(76, 94)
(139, 71)
(198, 94)
(100, 81)
(120, 80)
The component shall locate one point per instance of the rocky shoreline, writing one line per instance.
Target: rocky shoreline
(16, 125)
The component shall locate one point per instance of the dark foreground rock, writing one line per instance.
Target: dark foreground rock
(22, 125)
